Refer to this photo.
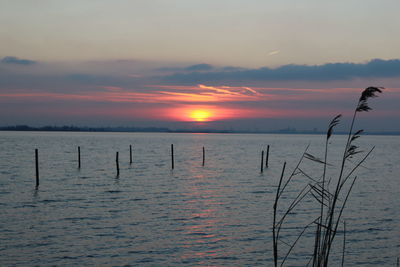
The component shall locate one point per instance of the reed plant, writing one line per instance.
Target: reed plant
(330, 194)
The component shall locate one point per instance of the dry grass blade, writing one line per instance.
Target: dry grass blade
(306, 175)
(323, 226)
(285, 243)
(294, 203)
(320, 195)
(356, 167)
(356, 135)
(274, 234)
(321, 190)
(333, 232)
(297, 239)
(294, 172)
(344, 242)
(318, 199)
(313, 158)
(333, 123)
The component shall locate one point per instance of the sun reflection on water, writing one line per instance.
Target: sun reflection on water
(204, 218)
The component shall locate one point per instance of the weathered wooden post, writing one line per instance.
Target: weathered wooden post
(267, 157)
(37, 167)
(117, 163)
(204, 156)
(130, 154)
(172, 156)
(79, 157)
(262, 161)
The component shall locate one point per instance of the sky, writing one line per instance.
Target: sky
(221, 64)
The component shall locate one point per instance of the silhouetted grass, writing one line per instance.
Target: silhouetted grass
(331, 201)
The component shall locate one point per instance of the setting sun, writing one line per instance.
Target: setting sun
(207, 113)
(200, 115)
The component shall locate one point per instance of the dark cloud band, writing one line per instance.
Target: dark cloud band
(19, 61)
(376, 68)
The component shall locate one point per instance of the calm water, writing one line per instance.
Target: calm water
(216, 215)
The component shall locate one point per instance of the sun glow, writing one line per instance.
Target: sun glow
(207, 113)
(200, 115)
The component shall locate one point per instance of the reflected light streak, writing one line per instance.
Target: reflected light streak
(203, 212)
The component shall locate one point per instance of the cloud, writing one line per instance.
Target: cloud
(376, 68)
(19, 61)
(199, 67)
(232, 68)
(156, 94)
(196, 67)
(274, 52)
(202, 68)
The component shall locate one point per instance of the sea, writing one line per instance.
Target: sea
(219, 214)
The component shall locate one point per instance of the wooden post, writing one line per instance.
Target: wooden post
(172, 156)
(267, 157)
(262, 161)
(117, 163)
(130, 154)
(37, 167)
(79, 157)
(204, 156)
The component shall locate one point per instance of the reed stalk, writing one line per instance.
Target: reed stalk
(331, 202)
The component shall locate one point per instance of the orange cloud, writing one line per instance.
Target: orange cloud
(169, 94)
(203, 93)
(191, 94)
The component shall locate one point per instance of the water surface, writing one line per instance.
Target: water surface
(216, 215)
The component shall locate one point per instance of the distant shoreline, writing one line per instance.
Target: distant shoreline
(25, 128)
